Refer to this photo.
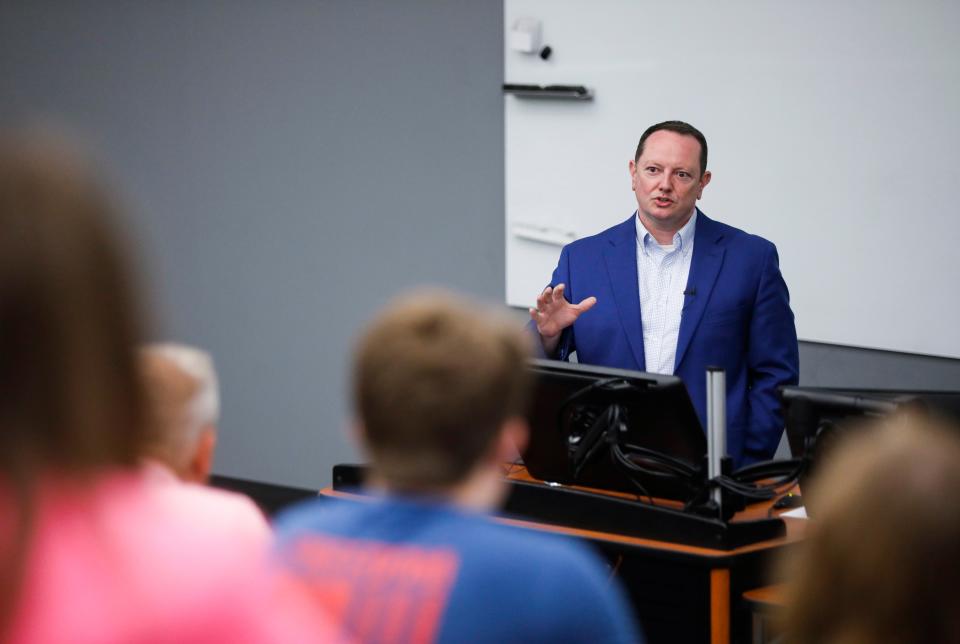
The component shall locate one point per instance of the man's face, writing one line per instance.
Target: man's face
(667, 181)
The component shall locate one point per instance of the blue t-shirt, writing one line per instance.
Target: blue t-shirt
(403, 570)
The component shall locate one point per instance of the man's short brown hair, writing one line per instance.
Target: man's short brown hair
(677, 127)
(434, 380)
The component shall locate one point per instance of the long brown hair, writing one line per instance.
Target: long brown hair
(882, 558)
(70, 399)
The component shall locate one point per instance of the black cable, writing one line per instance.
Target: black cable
(750, 490)
(636, 483)
(606, 429)
(607, 384)
(758, 493)
(591, 441)
(679, 465)
(768, 469)
(663, 468)
(745, 482)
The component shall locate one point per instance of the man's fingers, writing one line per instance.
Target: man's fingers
(533, 314)
(544, 298)
(587, 304)
(558, 292)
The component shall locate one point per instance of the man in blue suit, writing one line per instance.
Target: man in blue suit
(672, 291)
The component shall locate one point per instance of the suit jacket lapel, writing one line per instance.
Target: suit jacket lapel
(621, 259)
(704, 268)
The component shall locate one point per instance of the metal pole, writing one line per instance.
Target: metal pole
(716, 424)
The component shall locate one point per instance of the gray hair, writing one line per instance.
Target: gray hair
(203, 409)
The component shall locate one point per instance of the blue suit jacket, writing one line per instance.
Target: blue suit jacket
(736, 316)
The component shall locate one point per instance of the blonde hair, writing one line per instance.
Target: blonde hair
(882, 559)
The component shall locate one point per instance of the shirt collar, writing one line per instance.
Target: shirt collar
(682, 239)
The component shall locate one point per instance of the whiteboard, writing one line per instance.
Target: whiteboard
(832, 130)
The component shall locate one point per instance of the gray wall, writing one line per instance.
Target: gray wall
(291, 165)
(825, 365)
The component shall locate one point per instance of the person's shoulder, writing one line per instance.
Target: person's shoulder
(318, 515)
(149, 560)
(528, 547)
(734, 236)
(623, 230)
(567, 558)
(221, 507)
(560, 575)
(207, 513)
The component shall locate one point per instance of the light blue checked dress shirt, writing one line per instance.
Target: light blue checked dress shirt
(662, 273)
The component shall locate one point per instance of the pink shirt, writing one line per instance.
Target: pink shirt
(140, 557)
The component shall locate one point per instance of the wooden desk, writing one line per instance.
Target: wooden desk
(680, 593)
(684, 593)
(765, 603)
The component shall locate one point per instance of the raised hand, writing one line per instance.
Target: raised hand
(554, 313)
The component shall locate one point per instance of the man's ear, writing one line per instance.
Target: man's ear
(704, 180)
(201, 462)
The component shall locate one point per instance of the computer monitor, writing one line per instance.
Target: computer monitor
(818, 418)
(586, 420)
(815, 414)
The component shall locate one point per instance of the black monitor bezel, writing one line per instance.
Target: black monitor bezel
(547, 455)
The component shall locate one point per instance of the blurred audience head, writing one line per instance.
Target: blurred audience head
(70, 396)
(440, 388)
(882, 557)
(182, 387)
(71, 401)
